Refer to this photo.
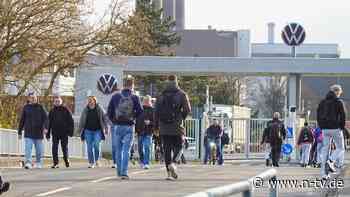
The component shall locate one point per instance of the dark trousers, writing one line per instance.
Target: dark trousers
(275, 153)
(172, 147)
(64, 145)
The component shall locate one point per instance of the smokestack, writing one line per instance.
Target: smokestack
(271, 33)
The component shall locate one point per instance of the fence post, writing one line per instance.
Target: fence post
(247, 139)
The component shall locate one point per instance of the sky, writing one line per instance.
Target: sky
(325, 21)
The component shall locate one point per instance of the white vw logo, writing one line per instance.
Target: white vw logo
(107, 83)
(293, 34)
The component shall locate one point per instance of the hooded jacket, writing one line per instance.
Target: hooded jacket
(331, 112)
(33, 121)
(181, 100)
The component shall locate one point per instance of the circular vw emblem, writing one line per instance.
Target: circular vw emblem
(107, 84)
(293, 34)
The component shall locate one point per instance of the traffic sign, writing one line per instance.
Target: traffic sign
(287, 149)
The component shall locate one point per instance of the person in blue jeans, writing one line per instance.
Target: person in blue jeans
(124, 107)
(34, 123)
(93, 126)
(214, 133)
(144, 130)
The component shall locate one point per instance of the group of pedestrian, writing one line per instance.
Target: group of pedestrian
(37, 124)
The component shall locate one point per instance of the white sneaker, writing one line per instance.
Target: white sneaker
(146, 167)
(38, 166)
(169, 177)
(331, 166)
(28, 166)
(325, 177)
(172, 169)
(91, 166)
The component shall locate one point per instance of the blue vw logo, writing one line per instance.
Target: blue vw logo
(107, 84)
(293, 34)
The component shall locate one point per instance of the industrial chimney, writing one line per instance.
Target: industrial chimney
(271, 33)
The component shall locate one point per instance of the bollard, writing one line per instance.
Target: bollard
(273, 191)
(247, 193)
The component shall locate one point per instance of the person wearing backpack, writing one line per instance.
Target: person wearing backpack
(331, 119)
(305, 141)
(172, 108)
(123, 109)
(277, 133)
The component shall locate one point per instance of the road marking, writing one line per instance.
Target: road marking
(102, 179)
(54, 191)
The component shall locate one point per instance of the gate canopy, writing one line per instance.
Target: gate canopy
(156, 65)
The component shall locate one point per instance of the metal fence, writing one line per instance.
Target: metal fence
(192, 129)
(244, 187)
(11, 145)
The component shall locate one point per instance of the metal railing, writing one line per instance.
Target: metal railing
(11, 145)
(244, 187)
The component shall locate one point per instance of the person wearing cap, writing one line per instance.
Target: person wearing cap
(144, 130)
(331, 116)
(34, 123)
(93, 126)
(61, 125)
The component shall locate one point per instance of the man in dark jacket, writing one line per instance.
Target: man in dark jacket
(34, 122)
(144, 130)
(4, 186)
(172, 108)
(331, 119)
(123, 109)
(277, 133)
(214, 133)
(61, 125)
(305, 142)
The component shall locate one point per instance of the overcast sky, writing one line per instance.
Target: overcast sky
(325, 21)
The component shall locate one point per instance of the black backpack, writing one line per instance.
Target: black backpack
(225, 139)
(275, 132)
(168, 109)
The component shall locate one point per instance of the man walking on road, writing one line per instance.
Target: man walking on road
(34, 122)
(123, 109)
(172, 108)
(61, 125)
(331, 119)
(277, 133)
(305, 141)
(144, 129)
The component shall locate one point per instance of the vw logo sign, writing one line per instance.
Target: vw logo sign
(293, 34)
(107, 84)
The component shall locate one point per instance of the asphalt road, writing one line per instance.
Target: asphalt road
(102, 182)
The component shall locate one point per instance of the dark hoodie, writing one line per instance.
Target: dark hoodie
(331, 112)
(182, 101)
(61, 122)
(113, 104)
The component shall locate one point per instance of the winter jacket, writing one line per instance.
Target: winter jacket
(101, 116)
(335, 117)
(114, 102)
(282, 131)
(265, 137)
(61, 122)
(305, 138)
(141, 128)
(214, 132)
(182, 103)
(33, 121)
